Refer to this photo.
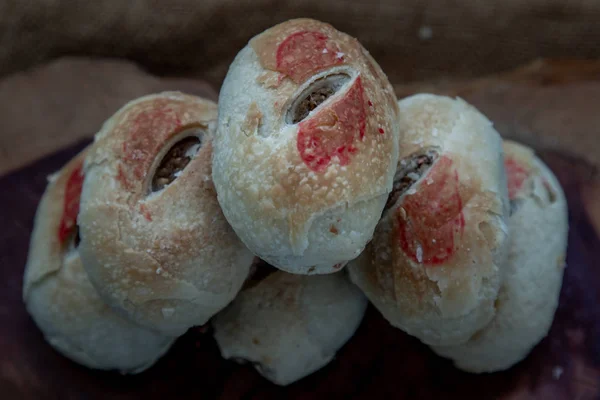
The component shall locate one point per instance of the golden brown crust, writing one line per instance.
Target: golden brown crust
(433, 265)
(168, 258)
(276, 179)
(302, 47)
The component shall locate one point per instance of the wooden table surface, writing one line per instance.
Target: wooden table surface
(553, 106)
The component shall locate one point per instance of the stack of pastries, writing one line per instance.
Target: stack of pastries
(280, 213)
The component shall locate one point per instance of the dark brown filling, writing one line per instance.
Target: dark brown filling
(515, 204)
(315, 95)
(77, 238)
(312, 101)
(174, 162)
(72, 243)
(410, 170)
(551, 193)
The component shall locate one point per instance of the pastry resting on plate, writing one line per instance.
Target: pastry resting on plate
(153, 238)
(62, 301)
(434, 266)
(306, 146)
(528, 297)
(288, 325)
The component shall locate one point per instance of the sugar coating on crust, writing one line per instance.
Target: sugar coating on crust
(529, 294)
(326, 144)
(289, 326)
(433, 266)
(61, 299)
(159, 250)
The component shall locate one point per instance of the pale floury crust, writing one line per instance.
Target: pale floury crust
(433, 268)
(290, 325)
(305, 196)
(62, 301)
(165, 258)
(534, 269)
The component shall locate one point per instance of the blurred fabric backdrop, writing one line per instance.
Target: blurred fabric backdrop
(413, 40)
(67, 65)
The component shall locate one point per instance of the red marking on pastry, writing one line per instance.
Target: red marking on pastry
(370, 104)
(147, 133)
(71, 203)
(122, 177)
(145, 212)
(516, 174)
(434, 217)
(381, 131)
(302, 54)
(332, 131)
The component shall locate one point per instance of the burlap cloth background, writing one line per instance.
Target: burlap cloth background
(411, 39)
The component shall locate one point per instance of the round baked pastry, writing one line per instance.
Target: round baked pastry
(306, 146)
(433, 268)
(529, 294)
(62, 301)
(290, 325)
(154, 241)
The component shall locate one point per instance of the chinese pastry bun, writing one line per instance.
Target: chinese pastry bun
(306, 146)
(434, 266)
(290, 325)
(154, 241)
(60, 298)
(529, 295)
